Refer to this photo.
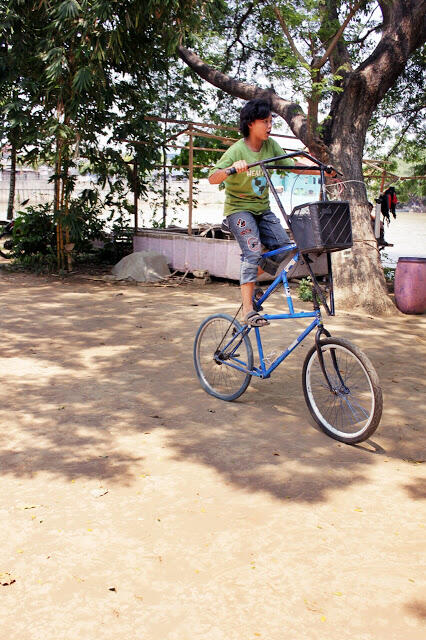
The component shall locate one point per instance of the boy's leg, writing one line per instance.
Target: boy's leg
(244, 227)
(272, 234)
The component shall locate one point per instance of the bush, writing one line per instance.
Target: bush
(389, 273)
(88, 219)
(304, 290)
(34, 237)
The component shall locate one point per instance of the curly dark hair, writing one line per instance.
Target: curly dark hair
(257, 109)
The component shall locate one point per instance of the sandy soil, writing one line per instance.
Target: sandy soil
(135, 506)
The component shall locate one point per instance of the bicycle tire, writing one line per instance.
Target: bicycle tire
(217, 378)
(5, 253)
(352, 411)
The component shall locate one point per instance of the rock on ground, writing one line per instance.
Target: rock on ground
(142, 266)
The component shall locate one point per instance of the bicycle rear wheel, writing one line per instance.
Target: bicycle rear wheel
(218, 349)
(351, 410)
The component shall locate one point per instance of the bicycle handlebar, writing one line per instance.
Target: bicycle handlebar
(327, 168)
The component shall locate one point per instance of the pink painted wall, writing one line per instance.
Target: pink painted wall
(221, 258)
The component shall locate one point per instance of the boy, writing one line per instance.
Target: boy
(247, 198)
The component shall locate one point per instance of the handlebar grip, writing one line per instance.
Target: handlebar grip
(330, 169)
(230, 171)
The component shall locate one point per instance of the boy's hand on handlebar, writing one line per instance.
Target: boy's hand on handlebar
(239, 166)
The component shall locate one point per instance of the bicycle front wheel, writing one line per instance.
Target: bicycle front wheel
(351, 409)
(222, 356)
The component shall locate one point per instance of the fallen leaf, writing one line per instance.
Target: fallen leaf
(312, 606)
(338, 593)
(323, 618)
(6, 579)
(97, 493)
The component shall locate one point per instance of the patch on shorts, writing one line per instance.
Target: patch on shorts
(245, 232)
(241, 223)
(253, 243)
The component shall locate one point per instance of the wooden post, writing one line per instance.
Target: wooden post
(383, 181)
(135, 192)
(191, 177)
(164, 186)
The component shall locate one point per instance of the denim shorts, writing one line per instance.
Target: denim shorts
(251, 232)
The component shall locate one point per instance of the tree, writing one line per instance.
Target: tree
(343, 61)
(95, 64)
(19, 111)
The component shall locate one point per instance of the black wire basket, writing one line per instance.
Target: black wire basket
(320, 227)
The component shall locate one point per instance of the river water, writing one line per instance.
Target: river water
(408, 235)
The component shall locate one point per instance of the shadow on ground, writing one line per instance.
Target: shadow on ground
(89, 367)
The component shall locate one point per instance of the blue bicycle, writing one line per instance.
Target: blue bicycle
(340, 385)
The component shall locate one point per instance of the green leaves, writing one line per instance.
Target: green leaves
(68, 9)
(82, 80)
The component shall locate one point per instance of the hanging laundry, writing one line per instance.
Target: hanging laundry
(388, 202)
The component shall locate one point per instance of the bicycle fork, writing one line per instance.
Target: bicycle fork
(322, 330)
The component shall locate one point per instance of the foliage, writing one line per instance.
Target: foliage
(91, 217)
(389, 274)
(305, 289)
(78, 78)
(34, 237)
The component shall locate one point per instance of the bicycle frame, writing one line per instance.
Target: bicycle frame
(262, 371)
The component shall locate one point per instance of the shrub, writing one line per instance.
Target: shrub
(34, 237)
(304, 290)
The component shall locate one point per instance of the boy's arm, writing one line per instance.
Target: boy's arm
(218, 176)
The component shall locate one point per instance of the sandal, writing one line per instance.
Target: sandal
(254, 319)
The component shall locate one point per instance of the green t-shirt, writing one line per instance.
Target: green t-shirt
(248, 191)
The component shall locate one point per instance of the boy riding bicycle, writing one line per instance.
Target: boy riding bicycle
(247, 208)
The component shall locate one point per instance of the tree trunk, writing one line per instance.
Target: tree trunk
(358, 274)
(359, 278)
(12, 182)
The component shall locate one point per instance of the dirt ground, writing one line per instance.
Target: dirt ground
(133, 505)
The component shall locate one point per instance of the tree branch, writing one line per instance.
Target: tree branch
(361, 41)
(289, 38)
(321, 62)
(238, 28)
(290, 111)
(401, 137)
(401, 36)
